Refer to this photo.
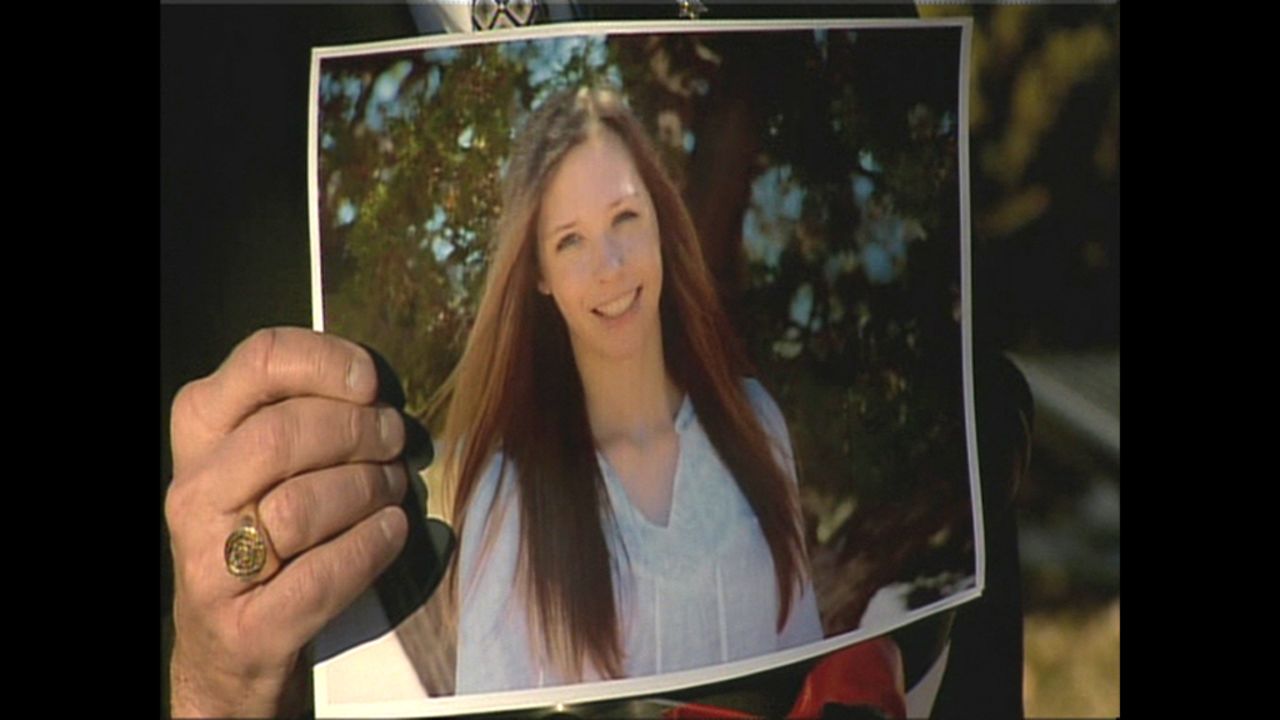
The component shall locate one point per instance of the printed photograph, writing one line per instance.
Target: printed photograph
(686, 311)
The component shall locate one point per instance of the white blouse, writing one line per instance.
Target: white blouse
(697, 592)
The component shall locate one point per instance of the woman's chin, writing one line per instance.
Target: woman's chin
(626, 337)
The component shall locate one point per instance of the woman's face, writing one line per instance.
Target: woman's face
(599, 253)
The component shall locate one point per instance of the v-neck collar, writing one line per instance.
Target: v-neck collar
(622, 501)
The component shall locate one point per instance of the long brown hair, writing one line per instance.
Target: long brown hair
(517, 390)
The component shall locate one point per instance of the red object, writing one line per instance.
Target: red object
(869, 674)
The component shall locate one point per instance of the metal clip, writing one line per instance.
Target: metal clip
(691, 9)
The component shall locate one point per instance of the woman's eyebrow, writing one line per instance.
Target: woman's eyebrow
(562, 227)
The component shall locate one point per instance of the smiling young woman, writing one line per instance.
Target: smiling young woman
(599, 253)
(624, 495)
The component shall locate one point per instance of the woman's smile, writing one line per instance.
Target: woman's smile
(620, 306)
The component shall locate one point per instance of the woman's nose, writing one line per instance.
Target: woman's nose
(612, 256)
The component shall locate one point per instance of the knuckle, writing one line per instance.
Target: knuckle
(185, 421)
(287, 515)
(259, 351)
(182, 411)
(175, 504)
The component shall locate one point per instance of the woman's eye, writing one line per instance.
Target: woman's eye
(625, 215)
(567, 241)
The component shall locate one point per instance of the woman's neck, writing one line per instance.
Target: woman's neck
(629, 399)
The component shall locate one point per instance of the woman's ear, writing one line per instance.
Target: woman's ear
(542, 286)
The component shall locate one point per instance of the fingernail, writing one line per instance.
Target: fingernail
(396, 478)
(388, 524)
(418, 449)
(388, 420)
(359, 375)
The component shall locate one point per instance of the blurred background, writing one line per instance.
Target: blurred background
(1045, 171)
(1045, 197)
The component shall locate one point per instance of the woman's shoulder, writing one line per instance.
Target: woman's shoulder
(765, 406)
(757, 393)
(772, 420)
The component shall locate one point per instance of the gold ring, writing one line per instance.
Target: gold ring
(246, 550)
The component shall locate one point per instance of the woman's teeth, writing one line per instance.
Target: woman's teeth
(617, 307)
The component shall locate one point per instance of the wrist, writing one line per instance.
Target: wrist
(200, 689)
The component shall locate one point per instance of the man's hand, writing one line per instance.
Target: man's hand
(286, 428)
